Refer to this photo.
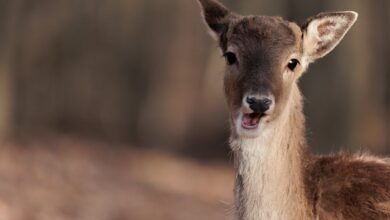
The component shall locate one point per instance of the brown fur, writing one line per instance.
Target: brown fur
(276, 176)
(346, 187)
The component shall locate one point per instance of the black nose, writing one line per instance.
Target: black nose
(259, 105)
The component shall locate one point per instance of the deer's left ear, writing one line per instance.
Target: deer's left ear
(323, 32)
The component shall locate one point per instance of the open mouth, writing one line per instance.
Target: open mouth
(251, 121)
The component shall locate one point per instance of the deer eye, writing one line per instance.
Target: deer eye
(292, 64)
(230, 58)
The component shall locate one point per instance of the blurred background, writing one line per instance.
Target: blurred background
(114, 109)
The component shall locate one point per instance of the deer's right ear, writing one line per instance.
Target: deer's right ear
(216, 16)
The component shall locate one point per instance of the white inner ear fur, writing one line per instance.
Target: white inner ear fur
(326, 31)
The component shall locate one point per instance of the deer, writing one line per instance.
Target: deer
(276, 176)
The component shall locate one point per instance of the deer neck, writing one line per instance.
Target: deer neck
(269, 175)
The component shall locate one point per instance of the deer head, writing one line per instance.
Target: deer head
(265, 57)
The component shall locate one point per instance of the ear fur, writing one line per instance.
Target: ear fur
(216, 16)
(323, 32)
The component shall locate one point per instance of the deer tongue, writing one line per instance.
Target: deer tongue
(251, 120)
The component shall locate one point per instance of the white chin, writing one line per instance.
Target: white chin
(248, 133)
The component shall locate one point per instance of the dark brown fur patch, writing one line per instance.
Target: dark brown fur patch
(260, 41)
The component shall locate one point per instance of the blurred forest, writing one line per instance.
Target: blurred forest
(143, 75)
(146, 73)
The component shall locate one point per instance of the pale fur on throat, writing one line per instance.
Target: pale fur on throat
(269, 182)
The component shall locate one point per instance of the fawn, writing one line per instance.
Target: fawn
(276, 176)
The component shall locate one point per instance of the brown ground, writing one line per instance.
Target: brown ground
(71, 179)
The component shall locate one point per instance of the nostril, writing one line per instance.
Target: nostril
(251, 101)
(266, 102)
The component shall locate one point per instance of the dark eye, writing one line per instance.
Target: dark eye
(292, 64)
(230, 58)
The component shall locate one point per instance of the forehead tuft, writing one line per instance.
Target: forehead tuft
(263, 31)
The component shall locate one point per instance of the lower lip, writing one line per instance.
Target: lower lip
(251, 126)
